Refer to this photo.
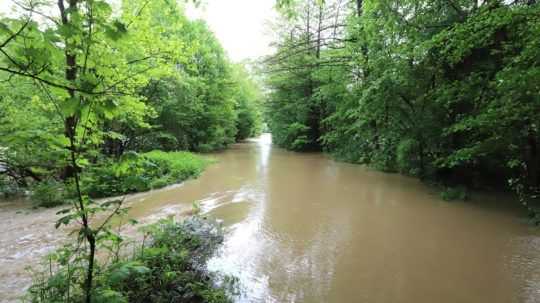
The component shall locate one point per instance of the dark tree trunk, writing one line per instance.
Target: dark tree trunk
(359, 7)
(70, 123)
(70, 131)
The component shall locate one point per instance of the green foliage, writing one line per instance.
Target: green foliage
(140, 87)
(75, 107)
(447, 91)
(407, 157)
(296, 136)
(30, 148)
(206, 103)
(141, 172)
(248, 97)
(176, 257)
(454, 193)
(291, 107)
(174, 264)
(169, 266)
(50, 193)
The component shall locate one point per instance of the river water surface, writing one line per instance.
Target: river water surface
(303, 228)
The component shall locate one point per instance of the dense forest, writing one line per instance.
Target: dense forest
(443, 90)
(104, 86)
(100, 99)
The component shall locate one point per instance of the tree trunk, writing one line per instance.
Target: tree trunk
(70, 131)
(90, 270)
(359, 8)
(70, 123)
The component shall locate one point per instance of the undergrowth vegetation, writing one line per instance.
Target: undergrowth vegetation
(168, 265)
(130, 89)
(141, 172)
(131, 173)
(458, 193)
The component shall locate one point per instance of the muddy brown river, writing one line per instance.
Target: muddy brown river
(304, 228)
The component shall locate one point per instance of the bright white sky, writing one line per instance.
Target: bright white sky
(240, 25)
(5, 6)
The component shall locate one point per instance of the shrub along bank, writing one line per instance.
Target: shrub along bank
(142, 172)
(168, 266)
(132, 172)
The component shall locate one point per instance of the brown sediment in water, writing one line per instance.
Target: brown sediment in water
(27, 235)
(303, 228)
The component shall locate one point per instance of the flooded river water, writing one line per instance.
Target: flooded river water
(303, 228)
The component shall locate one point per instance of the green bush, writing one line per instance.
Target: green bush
(205, 148)
(407, 157)
(296, 137)
(385, 160)
(169, 266)
(175, 263)
(141, 172)
(454, 193)
(49, 193)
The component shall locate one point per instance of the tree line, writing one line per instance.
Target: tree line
(93, 95)
(446, 90)
(81, 77)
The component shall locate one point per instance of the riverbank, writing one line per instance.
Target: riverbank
(131, 173)
(29, 235)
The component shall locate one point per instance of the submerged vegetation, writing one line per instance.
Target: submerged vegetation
(443, 90)
(169, 266)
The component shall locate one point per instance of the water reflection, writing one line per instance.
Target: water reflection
(247, 242)
(264, 144)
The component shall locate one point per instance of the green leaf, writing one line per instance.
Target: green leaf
(70, 106)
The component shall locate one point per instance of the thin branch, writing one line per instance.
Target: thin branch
(15, 34)
(89, 38)
(139, 12)
(111, 215)
(48, 82)
(53, 101)
(34, 11)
